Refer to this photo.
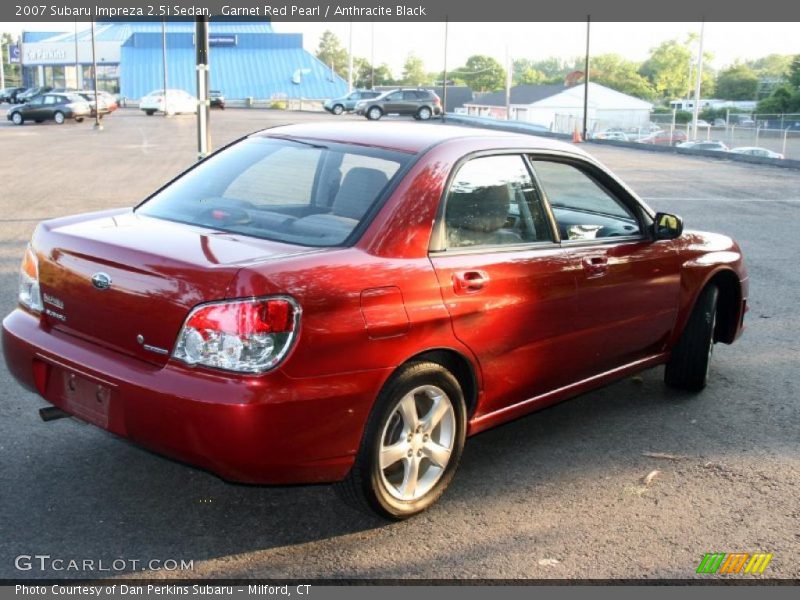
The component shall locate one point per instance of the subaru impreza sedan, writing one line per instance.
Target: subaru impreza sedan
(327, 303)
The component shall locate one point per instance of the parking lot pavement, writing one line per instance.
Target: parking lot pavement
(565, 484)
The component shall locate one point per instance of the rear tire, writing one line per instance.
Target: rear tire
(411, 446)
(59, 117)
(374, 113)
(424, 113)
(688, 366)
(149, 113)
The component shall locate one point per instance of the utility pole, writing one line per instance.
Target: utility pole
(164, 60)
(586, 80)
(203, 134)
(509, 65)
(372, 57)
(444, 74)
(3, 65)
(78, 78)
(698, 81)
(98, 126)
(350, 61)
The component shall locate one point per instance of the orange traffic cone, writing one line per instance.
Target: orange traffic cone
(576, 136)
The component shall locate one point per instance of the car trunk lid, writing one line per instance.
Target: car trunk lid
(127, 282)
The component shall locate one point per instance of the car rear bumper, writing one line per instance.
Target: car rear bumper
(266, 429)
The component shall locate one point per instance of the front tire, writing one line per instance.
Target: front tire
(688, 366)
(17, 118)
(149, 113)
(59, 117)
(374, 113)
(412, 444)
(338, 109)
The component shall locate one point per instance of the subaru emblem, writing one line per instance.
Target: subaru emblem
(102, 281)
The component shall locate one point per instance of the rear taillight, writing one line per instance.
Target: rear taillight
(29, 294)
(247, 336)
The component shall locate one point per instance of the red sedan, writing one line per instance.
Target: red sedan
(348, 303)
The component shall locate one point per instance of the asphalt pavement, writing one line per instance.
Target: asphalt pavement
(558, 494)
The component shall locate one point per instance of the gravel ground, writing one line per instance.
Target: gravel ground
(558, 494)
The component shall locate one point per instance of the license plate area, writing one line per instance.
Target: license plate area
(85, 397)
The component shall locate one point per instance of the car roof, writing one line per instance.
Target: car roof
(411, 137)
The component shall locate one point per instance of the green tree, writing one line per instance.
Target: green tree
(794, 72)
(414, 71)
(331, 52)
(363, 74)
(611, 70)
(773, 66)
(555, 69)
(737, 82)
(779, 102)
(667, 69)
(524, 73)
(483, 73)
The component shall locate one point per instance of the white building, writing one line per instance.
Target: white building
(560, 108)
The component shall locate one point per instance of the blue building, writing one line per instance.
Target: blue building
(247, 60)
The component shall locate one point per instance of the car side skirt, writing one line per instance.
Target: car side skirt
(525, 407)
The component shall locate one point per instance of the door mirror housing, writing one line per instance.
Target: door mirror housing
(667, 226)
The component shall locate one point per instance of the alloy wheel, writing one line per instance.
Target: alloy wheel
(416, 443)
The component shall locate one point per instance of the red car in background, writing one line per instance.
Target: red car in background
(348, 303)
(664, 138)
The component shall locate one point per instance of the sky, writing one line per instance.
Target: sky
(394, 41)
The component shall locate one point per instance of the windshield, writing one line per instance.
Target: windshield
(280, 189)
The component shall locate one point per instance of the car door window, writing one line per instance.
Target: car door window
(492, 201)
(583, 209)
(51, 100)
(394, 97)
(410, 96)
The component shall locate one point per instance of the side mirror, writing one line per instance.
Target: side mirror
(667, 226)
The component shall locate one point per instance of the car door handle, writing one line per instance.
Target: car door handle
(595, 266)
(469, 282)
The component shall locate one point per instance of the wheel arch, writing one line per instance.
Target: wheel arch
(728, 304)
(458, 364)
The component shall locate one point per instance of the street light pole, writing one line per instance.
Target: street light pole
(78, 78)
(586, 79)
(698, 81)
(164, 61)
(3, 66)
(97, 125)
(444, 74)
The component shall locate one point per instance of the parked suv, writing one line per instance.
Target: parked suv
(348, 103)
(421, 104)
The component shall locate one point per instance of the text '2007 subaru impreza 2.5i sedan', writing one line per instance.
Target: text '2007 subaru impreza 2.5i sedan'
(327, 303)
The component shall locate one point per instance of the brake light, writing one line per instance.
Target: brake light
(247, 336)
(30, 295)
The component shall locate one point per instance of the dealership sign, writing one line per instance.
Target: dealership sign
(222, 40)
(13, 54)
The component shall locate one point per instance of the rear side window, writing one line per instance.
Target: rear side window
(492, 201)
(291, 191)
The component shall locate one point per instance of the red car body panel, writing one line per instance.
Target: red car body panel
(542, 325)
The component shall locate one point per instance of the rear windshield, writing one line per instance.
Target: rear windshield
(285, 190)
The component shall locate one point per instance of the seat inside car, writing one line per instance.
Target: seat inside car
(478, 217)
(359, 189)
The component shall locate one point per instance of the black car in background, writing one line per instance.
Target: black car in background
(9, 94)
(216, 99)
(49, 106)
(31, 93)
(419, 103)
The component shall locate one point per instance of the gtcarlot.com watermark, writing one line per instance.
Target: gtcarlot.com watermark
(45, 563)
